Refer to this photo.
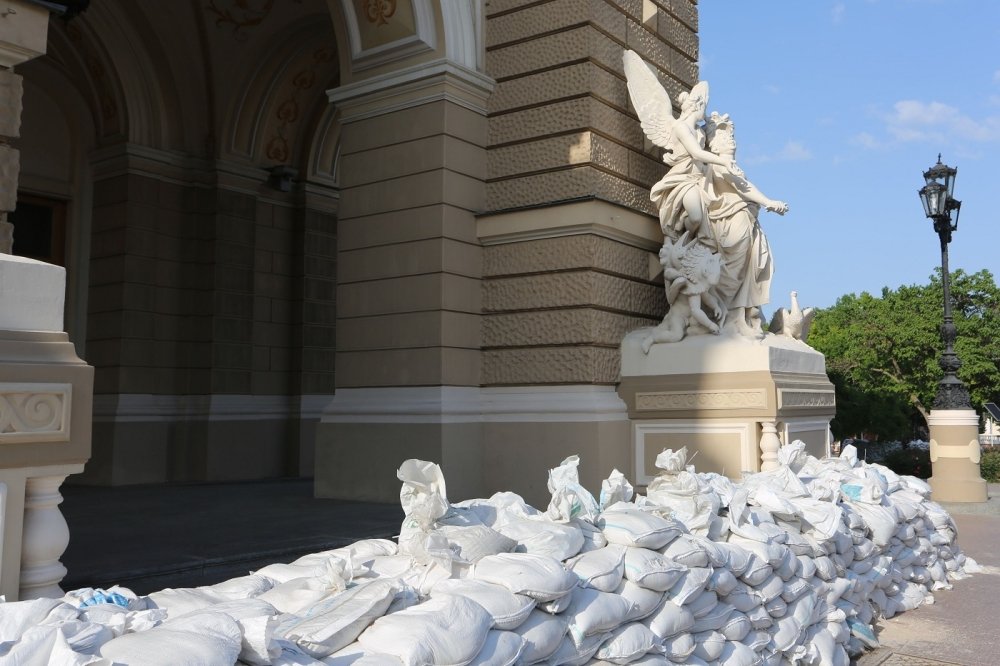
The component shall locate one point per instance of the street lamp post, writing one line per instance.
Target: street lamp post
(954, 425)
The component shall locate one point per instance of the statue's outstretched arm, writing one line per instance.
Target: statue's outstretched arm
(750, 192)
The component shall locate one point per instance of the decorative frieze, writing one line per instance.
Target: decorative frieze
(685, 400)
(34, 412)
(804, 398)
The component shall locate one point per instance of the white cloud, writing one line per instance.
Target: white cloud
(771, 88)
(792, 151)
(912, 120)
(866, 140)
(837, 13)
(996, 76)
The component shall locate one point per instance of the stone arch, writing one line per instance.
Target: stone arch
(282, 96)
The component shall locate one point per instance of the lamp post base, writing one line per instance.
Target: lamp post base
(955, 456)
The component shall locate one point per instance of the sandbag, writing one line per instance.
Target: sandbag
(197, 639)
(543, 634)
(539, 577)
(508, 610)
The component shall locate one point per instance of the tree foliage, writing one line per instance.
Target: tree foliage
(882, 351)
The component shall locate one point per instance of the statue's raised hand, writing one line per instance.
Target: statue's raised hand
(779, 207)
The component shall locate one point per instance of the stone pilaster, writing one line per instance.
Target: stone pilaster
(10, 125)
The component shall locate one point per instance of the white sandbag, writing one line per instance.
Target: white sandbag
(742, 598)
(629, 643)
(652, 570)
(446, 629)
(338, 620)
(241, 587)
(299, 594)
(708, 645)
(678, 648)
(736, 626)
(600, 569)
(756, 572)
(714, 619)
(759, 618)
(794, 589)
(573, 653)
(83, 637)
(45, 645)
(757, 640)
(594, 612)
(722, 581)
(540, 536)
(16, 617)
(614, 489)
(390, 566)
(669, 620)
(644, 601)
(702, 604)
(474, 542)
(686, 550)
(738, 559)
(570, 500)
(689, 586)
(537, 576)
(509, 610)
(738, 654)
(257, 622)
(628, 525)
(502, 648)
(183, 600)
(556, 606)
(543, 634)
(197, 639)
(282, 573)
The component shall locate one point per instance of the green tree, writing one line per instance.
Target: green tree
(882, 352)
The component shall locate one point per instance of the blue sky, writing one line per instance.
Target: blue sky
(839, 107)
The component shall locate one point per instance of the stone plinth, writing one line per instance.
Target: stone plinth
(46, 398)
(731, 400)
(955, 456)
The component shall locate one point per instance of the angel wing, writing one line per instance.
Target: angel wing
(651, 101)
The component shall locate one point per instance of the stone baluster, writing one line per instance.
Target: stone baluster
(44, 538)
(769, 445)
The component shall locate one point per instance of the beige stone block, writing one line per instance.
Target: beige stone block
(559, 327)
(435, 152)
(560, 117)
(573, 288)
(23, 32)
(528, 22)
(686, 11)
(552, 50)
(434, 118)
(677, 70)
(414, 258)
(572, 80)
(718, 452)
(551, 365)
(433, 366)
(498, 7)
(409, 330)
(418, 223)
(409, 294)
(423, 189)
(270, 335)
(574, 183)
(679, 35)
(10, 166)
(341, 473)
(11, 92)
(518, 455)
(566, 253)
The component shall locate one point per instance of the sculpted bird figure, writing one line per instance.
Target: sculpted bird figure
(794, 323)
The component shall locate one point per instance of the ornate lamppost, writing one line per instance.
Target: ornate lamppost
(954, 425)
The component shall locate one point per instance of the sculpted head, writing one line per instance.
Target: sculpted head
(721, 136)
(695, 101)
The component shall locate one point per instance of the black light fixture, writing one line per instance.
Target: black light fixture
(936, 196)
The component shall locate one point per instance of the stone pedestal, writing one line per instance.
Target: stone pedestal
(731, 400)
(46, 398)
(955, 455)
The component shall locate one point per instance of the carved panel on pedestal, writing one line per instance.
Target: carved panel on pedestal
(34, 412)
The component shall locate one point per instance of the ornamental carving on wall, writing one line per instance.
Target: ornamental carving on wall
(378, 11)
(789, 398)
(240, 14)
(34, 412)
(289, 110)
(674, 400)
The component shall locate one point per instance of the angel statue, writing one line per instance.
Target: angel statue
(706, 199)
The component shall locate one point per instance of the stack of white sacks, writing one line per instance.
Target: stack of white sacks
(788, 566)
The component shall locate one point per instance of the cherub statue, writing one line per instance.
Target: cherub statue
(690, 271)
(706, 195)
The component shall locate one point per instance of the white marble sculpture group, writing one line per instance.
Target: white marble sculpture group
(717, 265)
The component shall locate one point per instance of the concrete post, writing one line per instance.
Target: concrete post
(955, 456)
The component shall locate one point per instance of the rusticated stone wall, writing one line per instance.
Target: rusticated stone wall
(556, 309)
(560, 124)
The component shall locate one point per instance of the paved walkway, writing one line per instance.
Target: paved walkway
(151, 537)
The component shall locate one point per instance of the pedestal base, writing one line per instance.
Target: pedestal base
(955, 455)
(731, 400)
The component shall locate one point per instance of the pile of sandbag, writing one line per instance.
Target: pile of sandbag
(788, 566)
